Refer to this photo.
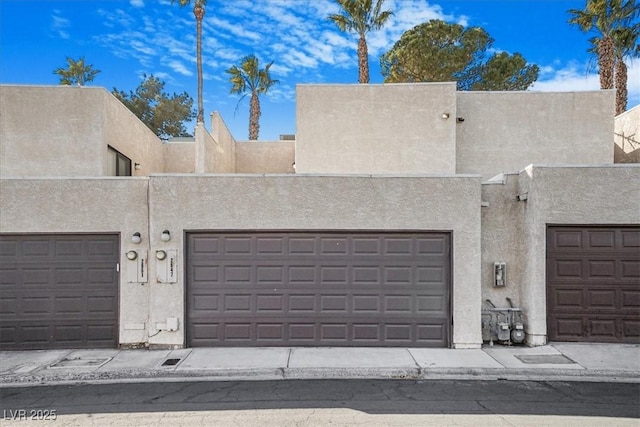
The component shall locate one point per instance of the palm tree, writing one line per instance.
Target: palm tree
(77, 72)
(248, 77)
(359, 17)
(198, 11)
(625, 46)
(605, 17)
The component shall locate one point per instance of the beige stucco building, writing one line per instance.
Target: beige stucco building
(397, 212)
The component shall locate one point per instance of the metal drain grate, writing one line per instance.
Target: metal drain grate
(170, 362)
(554, 359)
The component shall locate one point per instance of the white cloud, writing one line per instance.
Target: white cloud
(59, 25)
(234, 29)
(574, 78)
(282, 70)
(179, 67)
(137, 3)
(301, 59)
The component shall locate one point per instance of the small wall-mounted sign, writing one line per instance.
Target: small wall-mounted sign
(137, 267)
(167, 267)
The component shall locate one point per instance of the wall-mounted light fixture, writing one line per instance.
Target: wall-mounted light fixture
(445, 115)
(161, 255)
(135, 238)
(132, 255)
(136, 166)
(459, 119)
(165, 236)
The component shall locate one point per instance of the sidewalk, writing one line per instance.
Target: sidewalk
(556, 362)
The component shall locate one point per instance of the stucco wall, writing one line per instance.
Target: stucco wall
(502, 240)
(265, 156)
(627, 136)
(65, 131)
(181, 203)
(86, 205)
(564, 196)
(222, 154)
(179, 156)
(391, 128)
(506, 131)
(51, 131)
(122, 130)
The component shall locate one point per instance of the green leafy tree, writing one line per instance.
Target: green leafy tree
(361, 17)
(76, 73)
(437, 51)
(605, 17)
(506, 72)
(249, 78)
(163, 114)
(198, 12)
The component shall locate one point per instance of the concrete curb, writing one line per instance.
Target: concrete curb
(267, 374)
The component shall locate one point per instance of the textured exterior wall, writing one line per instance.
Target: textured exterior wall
(122, 130)
(85, 205)
(565, 196)
(502, 240)
(627, 137)
(51, 131)
(507, 131)
(179, 156)
(265, 156)
(221, 150)
(65, 131)
(391, 128)
(181, 203)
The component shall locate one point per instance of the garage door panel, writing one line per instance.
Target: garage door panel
(630, 269)
(318, 289)
(602, 327)
(435, 304)
(630, 299)
(59, 291)
(602, 299)
(601, 239)
(36, 248)
(593, 283)
(631, 329)
(630, 239)
(270, 303)
(301, 332)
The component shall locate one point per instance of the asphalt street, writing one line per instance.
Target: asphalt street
(324, 402)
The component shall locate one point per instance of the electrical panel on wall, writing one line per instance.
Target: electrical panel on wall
(500, 274)
(137, 267)
(167, 266)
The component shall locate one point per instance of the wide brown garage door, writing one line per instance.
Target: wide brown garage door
(317, 289)
(58, 291)
(593, 284)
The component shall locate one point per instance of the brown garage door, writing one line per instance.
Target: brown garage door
(593, 284)
(58, 291)
(334, 289)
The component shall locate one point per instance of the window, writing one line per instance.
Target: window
(118, 164)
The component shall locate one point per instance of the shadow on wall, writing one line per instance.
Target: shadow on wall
(621, 155)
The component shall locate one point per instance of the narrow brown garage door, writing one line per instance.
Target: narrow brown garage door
(316, 289)
(58, 291)
(593, 284)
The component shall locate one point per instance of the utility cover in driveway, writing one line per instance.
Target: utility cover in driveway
(318, 289)
(58, 291)
(593, 284)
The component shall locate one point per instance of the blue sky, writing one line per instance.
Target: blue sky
(128, 38)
